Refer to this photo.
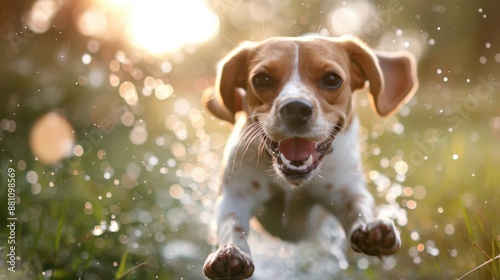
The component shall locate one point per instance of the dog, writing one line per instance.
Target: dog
(293, 153)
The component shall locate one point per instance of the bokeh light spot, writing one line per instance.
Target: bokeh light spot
(32, 177)
(176, 191)
(349, 19)
(51, 138)
(401, 167)
(419, 192)
(40, 17)
(93, 22)
(138, 135)
(411, 204)
(163, 91)
(182, 106)
(78, 150)
(449, 229)
(128, 92)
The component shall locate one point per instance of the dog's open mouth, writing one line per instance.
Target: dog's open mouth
(297, 157)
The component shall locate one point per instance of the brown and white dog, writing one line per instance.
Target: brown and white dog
(294, 148)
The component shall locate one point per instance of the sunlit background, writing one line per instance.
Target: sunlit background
(116, 159)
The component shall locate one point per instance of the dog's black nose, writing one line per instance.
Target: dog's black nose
(296, 112)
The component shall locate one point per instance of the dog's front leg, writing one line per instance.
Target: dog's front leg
(243, 189)
(232, 259)
(354, 207)
(369, 234)
(346, 196)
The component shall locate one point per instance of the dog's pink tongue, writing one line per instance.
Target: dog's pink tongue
(297, 149)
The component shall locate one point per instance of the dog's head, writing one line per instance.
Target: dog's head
(300, 92)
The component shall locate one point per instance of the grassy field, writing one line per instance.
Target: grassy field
(142, 212)
(133, 196)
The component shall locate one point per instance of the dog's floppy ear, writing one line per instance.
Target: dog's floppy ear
(392, 75)
(226, 99)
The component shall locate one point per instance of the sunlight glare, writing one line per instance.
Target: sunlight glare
(165, 26)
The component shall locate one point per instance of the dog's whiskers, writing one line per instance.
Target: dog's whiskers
(248, 135)
(244, 135)
(253, 116)
(261, 148)
(257, 133)
(243, 140)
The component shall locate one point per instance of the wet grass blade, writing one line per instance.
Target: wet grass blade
(495, 245)
(468, 224)
(436, 264)
(60, 224)
(121, 268)
(478, 267)
(493, 263)
(35, 242)
(481, 249)
(132, 269)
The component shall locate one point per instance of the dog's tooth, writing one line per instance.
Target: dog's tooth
(298, 168)
(289, 165)
(285, 161)
(309, 161)
(302, 167)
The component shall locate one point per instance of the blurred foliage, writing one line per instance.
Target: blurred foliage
(133, 199)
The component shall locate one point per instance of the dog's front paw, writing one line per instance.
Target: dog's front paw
(228, 262)
(379, 238)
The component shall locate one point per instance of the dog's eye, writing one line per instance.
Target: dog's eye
(262, 80)
(332, 81)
